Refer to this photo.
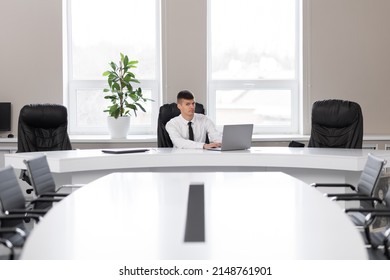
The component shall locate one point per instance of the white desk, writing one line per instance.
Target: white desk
(257, 215)
(307, 164)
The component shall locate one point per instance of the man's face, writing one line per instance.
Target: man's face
(187, 108)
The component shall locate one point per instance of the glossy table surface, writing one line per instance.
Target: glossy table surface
(247, 215)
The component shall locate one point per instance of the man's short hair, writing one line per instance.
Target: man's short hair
(185, 94)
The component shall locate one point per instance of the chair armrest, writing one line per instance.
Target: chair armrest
(333, 185)
(377, 213)
(53, 194)
(357, 198)
(346, 195)
(33, 214)
(72, 186)
(357, 195)
(75, 186)
(44, 199)
(367, 210)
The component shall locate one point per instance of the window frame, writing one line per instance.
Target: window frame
(71, 86)
(294, 85)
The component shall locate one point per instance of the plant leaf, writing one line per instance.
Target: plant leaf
(140, 106)
(113, 66)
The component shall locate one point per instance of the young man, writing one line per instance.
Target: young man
(189, 129)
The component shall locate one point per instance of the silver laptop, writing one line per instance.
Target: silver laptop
(236, 137)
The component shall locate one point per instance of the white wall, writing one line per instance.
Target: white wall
(347, 54)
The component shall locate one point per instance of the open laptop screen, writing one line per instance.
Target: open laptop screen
(236, 137)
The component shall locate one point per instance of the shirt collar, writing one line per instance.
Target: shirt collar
(185, 121)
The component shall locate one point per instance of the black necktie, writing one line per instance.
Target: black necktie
(190, 131)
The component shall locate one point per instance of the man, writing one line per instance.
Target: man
(189, 129)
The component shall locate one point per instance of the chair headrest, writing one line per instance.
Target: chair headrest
(44, 115)
(169, 111)
(335, 113)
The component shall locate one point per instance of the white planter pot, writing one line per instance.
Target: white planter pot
(119, 127)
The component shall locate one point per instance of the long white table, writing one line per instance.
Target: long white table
(247, 215)
(307, 164)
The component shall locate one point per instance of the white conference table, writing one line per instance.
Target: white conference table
(247, 215)
(307, 164)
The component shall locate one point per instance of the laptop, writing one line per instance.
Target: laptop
(236, 137)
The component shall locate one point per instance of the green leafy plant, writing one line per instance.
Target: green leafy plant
(123, 96)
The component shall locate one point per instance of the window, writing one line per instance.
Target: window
(254, 63)
(97, 32)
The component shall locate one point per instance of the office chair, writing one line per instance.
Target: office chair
(15, 210)
(336, 124)
(7, 244)
(166, 113)
(372, 208)
(13, 201)
(376, 237)
(42, 179)
(364, 190)
(42, 127)
(386, 243)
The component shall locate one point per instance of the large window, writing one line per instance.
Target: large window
(253, 63)
(98, 31)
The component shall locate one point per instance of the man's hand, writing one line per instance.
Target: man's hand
(211, 145)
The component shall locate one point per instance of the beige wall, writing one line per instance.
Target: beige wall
(346, 45)
(350, 57)
(30, 53)
(184, 35)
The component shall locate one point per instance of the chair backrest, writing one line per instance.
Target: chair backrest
(167, 112)
(369, 177)
(336, 124)
(43, 127)
(11, 196)
(40, 175)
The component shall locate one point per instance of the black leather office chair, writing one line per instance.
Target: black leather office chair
(42, 127)
(167, 112)
(336, 124)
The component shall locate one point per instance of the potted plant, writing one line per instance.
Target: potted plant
(123, 96)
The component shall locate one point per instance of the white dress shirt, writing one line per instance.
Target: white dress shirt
(177, 129)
